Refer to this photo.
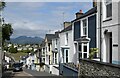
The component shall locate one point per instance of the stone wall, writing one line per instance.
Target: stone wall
(96, 68)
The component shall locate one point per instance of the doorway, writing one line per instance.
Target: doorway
(110, 47)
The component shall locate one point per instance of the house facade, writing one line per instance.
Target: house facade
(85, 33)
(42, 52)
(56, 48)
(48, 52)
(109, 33)
(67, 53)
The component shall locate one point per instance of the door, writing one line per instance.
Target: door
(65, 56)
(110, 48)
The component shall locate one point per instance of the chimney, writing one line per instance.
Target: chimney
(94, 3)
(78, 14)
(66, 24)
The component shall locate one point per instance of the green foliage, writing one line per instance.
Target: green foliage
(13, 50)
(5, 48)
(93, 51)
(6, 31)
(2, 5)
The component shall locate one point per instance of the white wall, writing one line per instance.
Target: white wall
(71, 55)
(55, 71)
(111, 26)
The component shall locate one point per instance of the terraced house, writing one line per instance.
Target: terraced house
(109, 30)
(85, 33)
(66, 44)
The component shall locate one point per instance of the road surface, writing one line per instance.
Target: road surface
(21, 74)
(27, 73)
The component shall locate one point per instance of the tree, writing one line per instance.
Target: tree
(13, 49)
(2, 5)
(7, 31)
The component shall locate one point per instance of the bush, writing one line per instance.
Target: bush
(13, 50)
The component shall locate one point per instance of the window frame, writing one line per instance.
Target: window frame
(55, 58)
(84, 27)
(108, 3)
(66, 59)
(66, 38)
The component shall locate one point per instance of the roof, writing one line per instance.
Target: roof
(43, 43)
(57, 34)
(67, 29)
(50, 37)
(89, 12)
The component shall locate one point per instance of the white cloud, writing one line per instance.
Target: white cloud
(27, 20)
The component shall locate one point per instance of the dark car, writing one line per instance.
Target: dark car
(17, 67)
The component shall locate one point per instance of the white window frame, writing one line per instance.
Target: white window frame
(82, 50)
(104, 9)
(55, 58)
(86, 27)
(107, 3)
(66, 38)
(65, 55)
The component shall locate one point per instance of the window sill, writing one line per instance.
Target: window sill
(107, 19)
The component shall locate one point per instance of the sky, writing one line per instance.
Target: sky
(38, 18)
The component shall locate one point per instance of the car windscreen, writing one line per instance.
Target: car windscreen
(17, 65)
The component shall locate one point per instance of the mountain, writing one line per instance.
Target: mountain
(26, 40)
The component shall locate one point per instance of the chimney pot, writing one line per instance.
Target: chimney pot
(80, 11)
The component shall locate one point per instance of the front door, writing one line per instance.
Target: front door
(110, 48)
(65, 55)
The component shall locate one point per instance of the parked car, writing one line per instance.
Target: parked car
(17, 67)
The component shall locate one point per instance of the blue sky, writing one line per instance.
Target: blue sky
(38, 18)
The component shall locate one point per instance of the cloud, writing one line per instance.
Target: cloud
(37, 19)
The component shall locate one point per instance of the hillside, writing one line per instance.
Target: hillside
(26, 40)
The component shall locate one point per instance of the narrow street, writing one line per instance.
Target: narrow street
(11, 74)
(27, 73)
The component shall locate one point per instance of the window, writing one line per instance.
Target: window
(49, 59)
(108, 8)
(49, 46)
(43, 50)
(79, 47)
(85, 48)
(84, 52)
(43, 59)
(80, 55)
(66, 41)
(66, 56)
(85, 55)
(55, 58)
(56, 41)
(85, 27)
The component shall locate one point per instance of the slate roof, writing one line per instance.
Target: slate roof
(50, 37)
(43, 43)
(89, 12)
(67, 29)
